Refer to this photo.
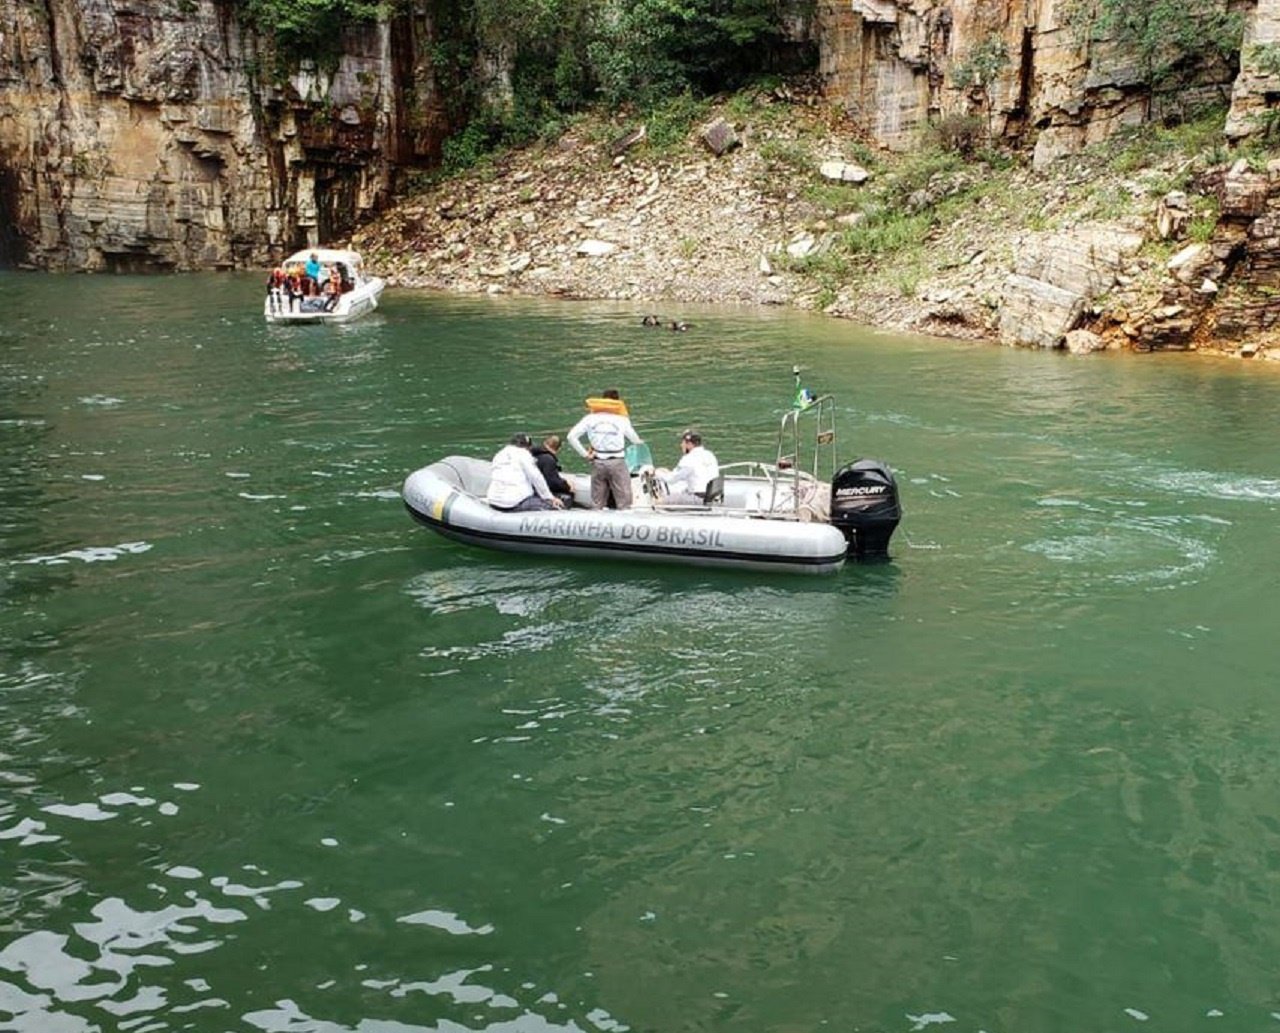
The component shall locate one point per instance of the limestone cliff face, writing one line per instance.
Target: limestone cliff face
(151, 135)
(1258, 84)
(894, 66)
(156, 134)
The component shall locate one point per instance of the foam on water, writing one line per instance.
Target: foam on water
(91, 554)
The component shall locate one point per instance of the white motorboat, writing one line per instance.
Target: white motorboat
(359, 294)
(758, 516)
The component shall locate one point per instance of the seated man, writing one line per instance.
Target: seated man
(332, 291)
(516, 484)
(546, 456)
(698, 467)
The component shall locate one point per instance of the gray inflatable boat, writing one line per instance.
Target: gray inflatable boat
(755, 516)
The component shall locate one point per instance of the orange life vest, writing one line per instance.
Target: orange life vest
(613, 405)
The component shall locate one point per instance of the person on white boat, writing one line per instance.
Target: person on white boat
(698, 467)
(515, 482)
(314, 269)
(332, 290)
(607, 431)
(275, 289)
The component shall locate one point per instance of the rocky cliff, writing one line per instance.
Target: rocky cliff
(140, 136)
(897, 65)
(163, 135)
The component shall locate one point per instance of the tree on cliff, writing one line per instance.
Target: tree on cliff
(515, 68)
(1164, 35)
(980, 71)
(541, 60)
(309, 26)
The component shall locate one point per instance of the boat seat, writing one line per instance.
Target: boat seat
(715, 492)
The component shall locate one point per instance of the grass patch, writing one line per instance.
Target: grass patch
(755, 107)
(786, 155)
(669, 123)
(1200, 228)
(1105, 202)
(1159, 251)
(886, 233)
(916, 170)
(1145, 146)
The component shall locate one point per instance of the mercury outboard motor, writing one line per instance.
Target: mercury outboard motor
(864, 505)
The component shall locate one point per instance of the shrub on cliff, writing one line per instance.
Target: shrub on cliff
(1164, 35)
(309, 27)
(534, 64)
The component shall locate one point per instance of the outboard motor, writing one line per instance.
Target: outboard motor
(864, 505)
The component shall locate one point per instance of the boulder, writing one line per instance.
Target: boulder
(1192, 263)
(1172, 215)
(1056, 278)
(802, 246)
(1243, 194)
(626, 141)
(595, 248)
(1036, 313)
(1084, 342)
(719, 137)
(843, 172)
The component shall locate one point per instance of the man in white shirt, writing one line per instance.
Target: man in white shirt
(698, 467)
(607, 434)
(515, 482)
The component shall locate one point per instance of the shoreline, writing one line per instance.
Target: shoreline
(929, 243)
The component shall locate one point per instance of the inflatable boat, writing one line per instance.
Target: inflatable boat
(755, 516)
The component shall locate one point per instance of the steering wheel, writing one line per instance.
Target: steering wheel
(652, 484)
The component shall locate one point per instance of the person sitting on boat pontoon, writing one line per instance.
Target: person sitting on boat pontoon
(698, 467)
(515, 482)
(546, 456)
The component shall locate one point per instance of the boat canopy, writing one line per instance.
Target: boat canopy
(326, 256)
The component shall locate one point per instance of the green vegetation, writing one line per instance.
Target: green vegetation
(1144, 146)
(980, 70)
(669, 122)
(1164, 35)
(308, 27)
(514, 72)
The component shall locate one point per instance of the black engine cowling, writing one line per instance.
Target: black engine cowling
(864, 505)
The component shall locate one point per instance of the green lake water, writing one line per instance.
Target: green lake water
(273, 757)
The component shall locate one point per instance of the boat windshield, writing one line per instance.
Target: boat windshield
(638, 456)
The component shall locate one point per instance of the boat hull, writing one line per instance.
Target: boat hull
(446, 496)
(353, 305)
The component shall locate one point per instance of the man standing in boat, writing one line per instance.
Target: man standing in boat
(607, 429)
(515, 482)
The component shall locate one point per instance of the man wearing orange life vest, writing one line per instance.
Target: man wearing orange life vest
(607, 429)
